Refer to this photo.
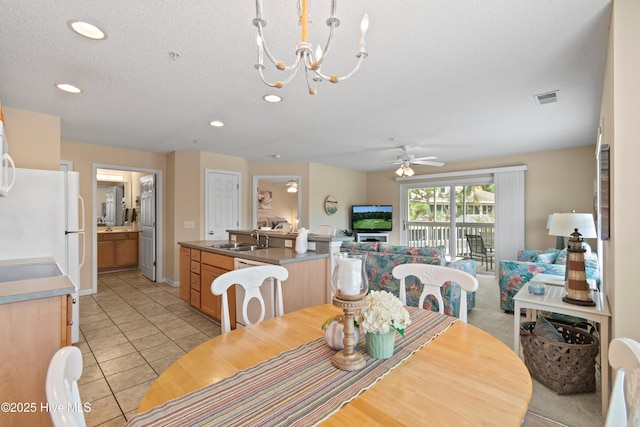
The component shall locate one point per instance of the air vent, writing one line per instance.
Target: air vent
(546, 98)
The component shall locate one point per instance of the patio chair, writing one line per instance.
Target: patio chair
(477, 249)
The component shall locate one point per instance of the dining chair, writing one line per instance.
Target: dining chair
(477, 248)
(432, 278)
(624, 404)
(61, 387)
(325, 230)
(251, 279)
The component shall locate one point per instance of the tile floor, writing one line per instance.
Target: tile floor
(130, 332)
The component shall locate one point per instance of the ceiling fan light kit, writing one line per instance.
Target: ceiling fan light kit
(405, 160)
(304, 56)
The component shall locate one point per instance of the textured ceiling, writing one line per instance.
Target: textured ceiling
(454, 79)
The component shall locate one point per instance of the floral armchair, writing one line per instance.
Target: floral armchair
(515, 274)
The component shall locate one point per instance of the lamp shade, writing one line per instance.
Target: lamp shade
(563, 224)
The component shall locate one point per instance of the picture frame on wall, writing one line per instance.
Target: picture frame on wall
(331, 205)
(605, 196)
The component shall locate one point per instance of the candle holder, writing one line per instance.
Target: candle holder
(348, 359)
(350, 285)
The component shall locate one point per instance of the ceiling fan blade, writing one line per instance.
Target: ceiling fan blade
(425, 158)
(427, 163)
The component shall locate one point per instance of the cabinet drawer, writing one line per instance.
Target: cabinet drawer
(195, 254)
(115, 236)
(195, 281)
(195, 298)
(220, 261)
(132, 236)
(195, 267)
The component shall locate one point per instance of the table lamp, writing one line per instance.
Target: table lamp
(559, 239)
(568, 224)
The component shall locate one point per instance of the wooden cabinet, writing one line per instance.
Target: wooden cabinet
(118, 251)
(197, 270)
(32, 331)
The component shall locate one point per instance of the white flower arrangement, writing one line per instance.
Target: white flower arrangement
(383, 312)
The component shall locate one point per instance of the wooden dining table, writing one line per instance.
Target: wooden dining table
(464, 376)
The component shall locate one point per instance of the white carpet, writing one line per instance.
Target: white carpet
(581, 410)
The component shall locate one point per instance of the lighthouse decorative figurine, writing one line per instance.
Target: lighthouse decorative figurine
(577, 286)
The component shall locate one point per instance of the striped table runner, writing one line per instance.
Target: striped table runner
(298, 387)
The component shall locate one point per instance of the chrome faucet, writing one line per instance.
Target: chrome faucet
(256, 235)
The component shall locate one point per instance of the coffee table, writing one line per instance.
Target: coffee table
(552, 301)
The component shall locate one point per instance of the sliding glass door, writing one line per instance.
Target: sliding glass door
(458, 215)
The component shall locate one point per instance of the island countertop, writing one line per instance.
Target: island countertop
(273, 255)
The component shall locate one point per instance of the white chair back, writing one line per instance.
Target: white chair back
(61, 386)
(250, 278)
(325, 230)
(432, 278)
(624, 404)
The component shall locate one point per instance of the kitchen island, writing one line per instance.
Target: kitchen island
(201, 263)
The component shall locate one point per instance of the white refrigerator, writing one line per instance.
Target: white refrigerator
(40, 218)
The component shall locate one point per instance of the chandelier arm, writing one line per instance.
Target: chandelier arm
(274, 61)
(279, 83)
(313, 88)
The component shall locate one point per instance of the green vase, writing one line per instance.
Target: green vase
(380, 345)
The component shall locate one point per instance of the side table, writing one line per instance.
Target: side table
(552, 301)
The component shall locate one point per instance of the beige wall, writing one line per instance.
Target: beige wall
(621, 130)
(555, 181)
(34, 139)
(348, 187)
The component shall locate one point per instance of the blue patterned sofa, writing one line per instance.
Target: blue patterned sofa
(515, 274)
(382, 257)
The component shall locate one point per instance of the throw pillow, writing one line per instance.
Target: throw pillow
(546, 258)
(562, 257)
(544, 329)
(527, 254)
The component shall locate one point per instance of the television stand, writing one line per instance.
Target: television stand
(372, 237)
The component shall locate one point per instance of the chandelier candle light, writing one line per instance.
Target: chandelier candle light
(304, 55)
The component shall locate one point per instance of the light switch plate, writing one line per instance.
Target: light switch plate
(288, 243)
(189, 224)
(311, 246)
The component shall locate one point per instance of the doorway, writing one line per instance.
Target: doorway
(130, 183)
(222, 200)
(284, 204)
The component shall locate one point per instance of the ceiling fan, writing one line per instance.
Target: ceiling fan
(406, 160)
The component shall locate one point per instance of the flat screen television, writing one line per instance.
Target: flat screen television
(371, 218)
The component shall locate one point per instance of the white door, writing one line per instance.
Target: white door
(148, 226)
(222, 204)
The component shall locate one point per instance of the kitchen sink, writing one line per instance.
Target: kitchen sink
(236, 247)
(245, 248)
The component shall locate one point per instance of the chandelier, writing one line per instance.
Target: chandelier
(304, 57)
(405, 170)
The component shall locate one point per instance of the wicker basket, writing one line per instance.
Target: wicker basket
(566, 368)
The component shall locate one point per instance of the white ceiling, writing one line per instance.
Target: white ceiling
(450, 78)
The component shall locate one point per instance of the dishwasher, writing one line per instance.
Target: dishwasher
(253, 309)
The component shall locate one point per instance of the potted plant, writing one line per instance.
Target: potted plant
(382, 316)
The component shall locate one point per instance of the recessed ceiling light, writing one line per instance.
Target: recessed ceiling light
(272, 98)
(87, 30)
(66, 87)
(216, 124)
